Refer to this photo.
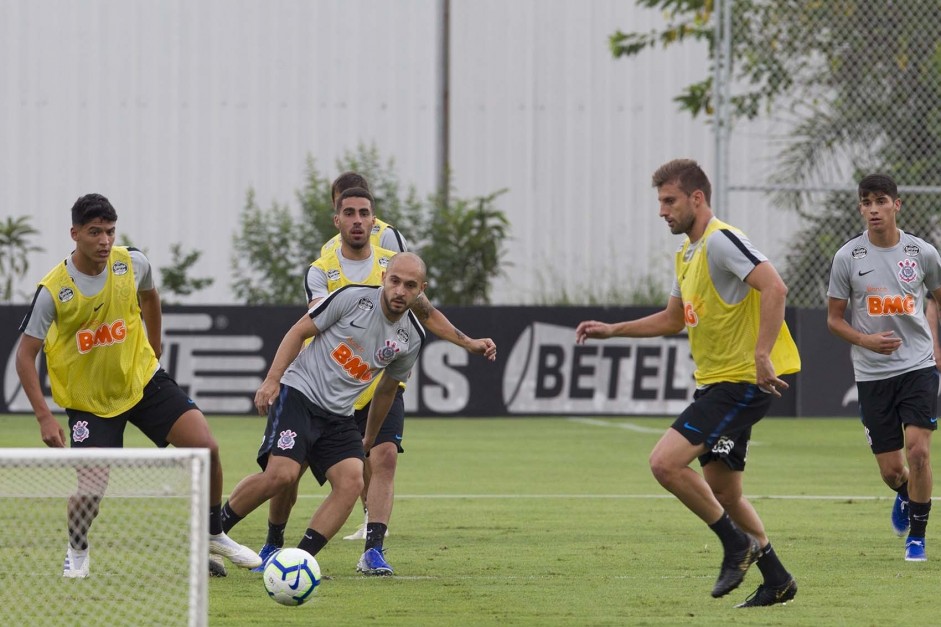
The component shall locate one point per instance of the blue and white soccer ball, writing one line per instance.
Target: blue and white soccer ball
(291, 576)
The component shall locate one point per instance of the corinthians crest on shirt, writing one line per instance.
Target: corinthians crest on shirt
(908, 270)
(386, 353)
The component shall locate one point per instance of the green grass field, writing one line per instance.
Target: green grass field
(559, 522)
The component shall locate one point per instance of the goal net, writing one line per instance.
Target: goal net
(148, 546)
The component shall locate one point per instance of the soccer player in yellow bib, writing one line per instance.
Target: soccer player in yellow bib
(358, 259)
(97, 315)
(730, 300)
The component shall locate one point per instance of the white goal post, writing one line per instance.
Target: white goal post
(148, 545)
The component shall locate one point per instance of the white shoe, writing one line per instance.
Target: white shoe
(239, 555)
(360, 533)
(76, 563)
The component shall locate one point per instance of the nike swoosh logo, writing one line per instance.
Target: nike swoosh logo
(686, 425)
(297, 578)
(861, 273)
(99, 306)
(934, 420)
(353, 324)
(398, 437)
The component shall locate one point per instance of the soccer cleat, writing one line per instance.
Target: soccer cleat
(76, 563)
(266, 551)
(216, 567)
(766, 595)
(915, 550)
(734, 567)
(221, 544)
(900, 516)
(373, 563)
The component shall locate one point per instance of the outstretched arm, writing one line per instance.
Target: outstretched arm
(669, 321)
(436, 322)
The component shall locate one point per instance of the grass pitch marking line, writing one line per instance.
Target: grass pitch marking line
(770, 497)
(595, 422)
(620, 425)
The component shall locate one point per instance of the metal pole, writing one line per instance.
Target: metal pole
(443, 160)
(722, 73)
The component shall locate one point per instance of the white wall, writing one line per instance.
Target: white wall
(174, 108)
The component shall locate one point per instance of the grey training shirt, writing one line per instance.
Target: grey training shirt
(355, 344)
(886, 289)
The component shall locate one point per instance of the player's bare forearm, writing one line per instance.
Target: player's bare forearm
(931, 314)
(379, 408)
(884, 343)
(291, 346)
(669, 321)
(288, 350)
(49, 428)
(153, 321)
(771, 319)
(438, 323)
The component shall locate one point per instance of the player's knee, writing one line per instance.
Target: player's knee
(727, 498)
(279, 478)
(893, 476)
(918, 457)
(661, 468)
(383, 458)
(349, 484)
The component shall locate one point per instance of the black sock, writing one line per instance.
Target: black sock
(312, 542)
(375, 534)
(902, 491)
(732, 538)
(275, 534)
(82, 511)
(228, 517)
(918, 516)
(215, 522)
(771, 567)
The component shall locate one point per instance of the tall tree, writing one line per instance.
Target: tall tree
(859, 82)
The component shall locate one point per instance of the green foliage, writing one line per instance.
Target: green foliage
(861, 83)
(15, 247)
(396, 205)
(269, 261)
(462, 243)
(175, 279)
(686, 19)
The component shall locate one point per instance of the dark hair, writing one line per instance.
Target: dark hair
(347, 180)
(354, 192)
(91, 207)
(686, 174)
(876, 183)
